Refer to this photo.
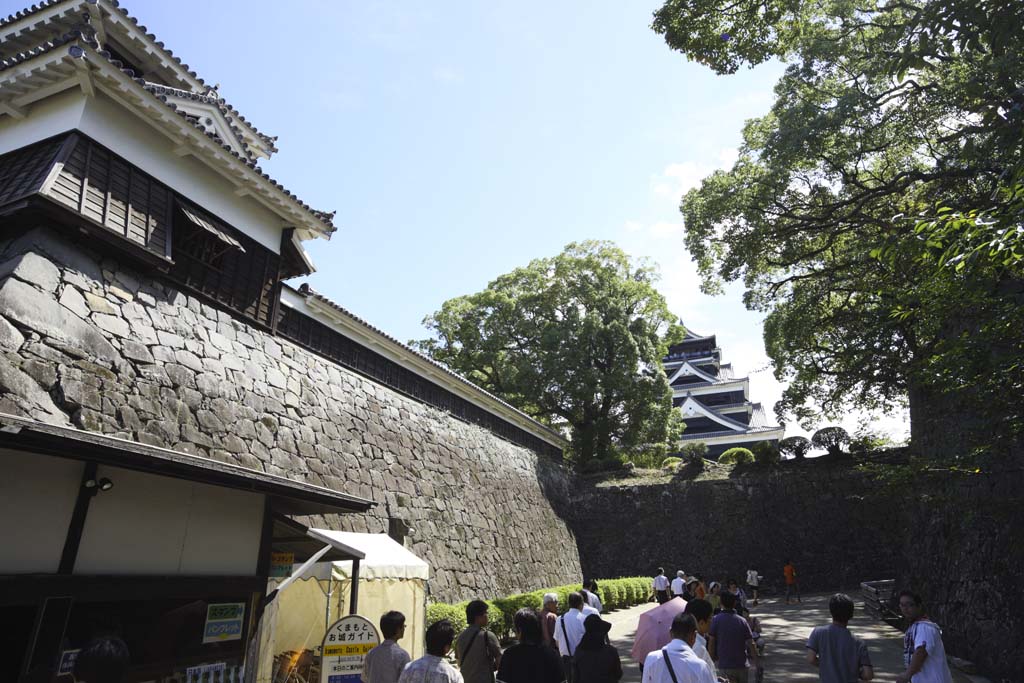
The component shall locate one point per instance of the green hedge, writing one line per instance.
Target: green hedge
(614, 594)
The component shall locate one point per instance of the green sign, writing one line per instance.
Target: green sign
(224, 622)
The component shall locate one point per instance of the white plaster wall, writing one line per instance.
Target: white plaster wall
(37, 497)
(149, 524)
(119, 129)
(47, 118)
(115, 127)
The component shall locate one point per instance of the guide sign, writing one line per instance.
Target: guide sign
(345, 645)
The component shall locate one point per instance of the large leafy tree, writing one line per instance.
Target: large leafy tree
(573, 340)
(875, 213)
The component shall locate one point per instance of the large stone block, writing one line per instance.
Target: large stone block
(33, 269)
(42, 313)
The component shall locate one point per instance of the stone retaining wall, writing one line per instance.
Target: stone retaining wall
(88, 341)
(824, 518)
(958, 540)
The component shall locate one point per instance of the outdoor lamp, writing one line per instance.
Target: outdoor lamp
(103, 484)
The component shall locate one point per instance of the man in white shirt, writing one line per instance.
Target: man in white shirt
(592, 598)
(678, 584)
(678, 655)
(660, 586)
(702, 612)
(432, 667)
(923, 652)
(569, 632)
(753, 584)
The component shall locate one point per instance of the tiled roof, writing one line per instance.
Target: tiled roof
(21, 14)
(42, 49)
(115, 5)
(220, 103)
(306, 290)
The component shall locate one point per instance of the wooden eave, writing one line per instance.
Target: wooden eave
(76, 63)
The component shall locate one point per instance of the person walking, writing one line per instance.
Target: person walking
(548, 619)
(677, 662)
(678, 584)
(923, 652)
(592, 598)
(700, 590)
(432, 667)
(477, 650)
(588, 601)
(568, 633)
(789, 571)
(753, 584)
(660, 586)
(384, 663)
(741, 596)
(731, 642)
(529, 661)
(596, 661)
(715, 596)
(702, 613)
(839, 656)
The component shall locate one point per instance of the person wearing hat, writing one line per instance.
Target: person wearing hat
(596, 661)
(677, 662)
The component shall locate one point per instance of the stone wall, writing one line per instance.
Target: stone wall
(963, 551)
(90, 342)
(958, 540)
(823, 517)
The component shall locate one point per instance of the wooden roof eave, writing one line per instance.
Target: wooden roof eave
(186, 137)
(109, 20)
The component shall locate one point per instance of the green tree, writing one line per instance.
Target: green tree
(797, 446)
(832, 439)
(875, 212)
(574, 340)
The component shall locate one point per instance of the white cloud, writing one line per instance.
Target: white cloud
(677, 179)
(666, 229)
(634, 226)
(446, 74)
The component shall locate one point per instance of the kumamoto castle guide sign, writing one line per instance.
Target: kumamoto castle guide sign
(345, 645)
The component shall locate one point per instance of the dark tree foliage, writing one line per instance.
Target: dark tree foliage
(574, 340)
(832, 439)
(877, 212)
(797, 446)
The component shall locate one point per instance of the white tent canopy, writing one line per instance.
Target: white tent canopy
(384, 558)
(390, 578)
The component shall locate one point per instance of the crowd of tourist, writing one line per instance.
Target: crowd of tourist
(701, 644)
(712, 638)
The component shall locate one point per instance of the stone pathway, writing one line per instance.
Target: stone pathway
(786, 628)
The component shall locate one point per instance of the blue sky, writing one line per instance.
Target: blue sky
(458, 141)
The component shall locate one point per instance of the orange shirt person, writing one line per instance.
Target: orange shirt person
(791, 583)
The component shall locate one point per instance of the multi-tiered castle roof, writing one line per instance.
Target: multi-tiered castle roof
(715, 404)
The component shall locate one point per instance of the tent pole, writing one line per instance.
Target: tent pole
(354, 601)
(330, 591)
